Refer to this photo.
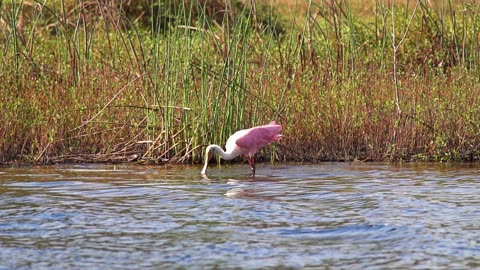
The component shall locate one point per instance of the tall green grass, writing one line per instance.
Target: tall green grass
(160, 79)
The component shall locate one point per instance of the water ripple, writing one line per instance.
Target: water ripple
(368, 216)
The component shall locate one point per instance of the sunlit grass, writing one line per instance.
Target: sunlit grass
(161, 79)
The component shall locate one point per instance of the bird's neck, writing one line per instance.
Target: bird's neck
(217, 149)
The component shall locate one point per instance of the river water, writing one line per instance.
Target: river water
(291, 216)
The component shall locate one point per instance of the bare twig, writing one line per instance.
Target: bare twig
(395, 47)
(108, 103)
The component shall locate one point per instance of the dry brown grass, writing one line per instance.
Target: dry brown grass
(101, 88)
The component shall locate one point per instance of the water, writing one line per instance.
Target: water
(327, 216)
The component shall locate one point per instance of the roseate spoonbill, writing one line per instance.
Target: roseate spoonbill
(245, 142)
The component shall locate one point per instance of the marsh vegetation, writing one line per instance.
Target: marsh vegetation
(159, 79)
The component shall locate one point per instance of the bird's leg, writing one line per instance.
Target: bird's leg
(251, 162)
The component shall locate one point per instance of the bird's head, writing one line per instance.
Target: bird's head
(209, 153)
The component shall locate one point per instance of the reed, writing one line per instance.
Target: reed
(158, 80)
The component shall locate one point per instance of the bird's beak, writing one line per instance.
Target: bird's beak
(208, 156)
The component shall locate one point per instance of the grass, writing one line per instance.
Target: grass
(158, 80)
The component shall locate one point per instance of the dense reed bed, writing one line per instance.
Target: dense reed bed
(157, 80)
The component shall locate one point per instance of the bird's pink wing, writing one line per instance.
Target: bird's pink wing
(258, 137)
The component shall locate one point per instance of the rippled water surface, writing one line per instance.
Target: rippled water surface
(327, 216)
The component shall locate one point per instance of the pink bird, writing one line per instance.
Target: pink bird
(245, 142)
